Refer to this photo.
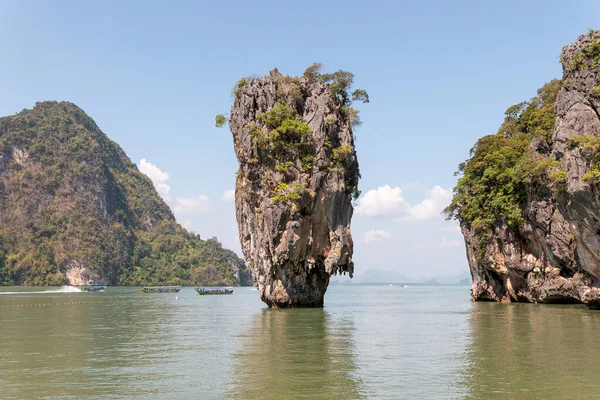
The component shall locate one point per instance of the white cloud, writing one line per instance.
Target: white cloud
(200, 204)
(187, 224)
(432, 205)
(229, 196)
(387, 201)
(375, 235)
(384, 201)
(157, 176)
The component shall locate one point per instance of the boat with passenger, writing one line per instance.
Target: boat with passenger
(205, 291)
(160, 289)
(92, 288)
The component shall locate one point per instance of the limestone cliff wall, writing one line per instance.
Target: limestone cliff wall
(294, 186)
(555, 255)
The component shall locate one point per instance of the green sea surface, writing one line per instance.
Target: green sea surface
(370, 341)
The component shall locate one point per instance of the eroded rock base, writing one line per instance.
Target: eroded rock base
(295, 291)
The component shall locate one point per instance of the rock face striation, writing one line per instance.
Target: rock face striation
(553, 255)
(74, 209)
(297, 174)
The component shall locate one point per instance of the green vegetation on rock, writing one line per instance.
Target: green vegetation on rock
(298, 171)
(220, 120)
(340, 83)
(288, 132)
(70, 199)
(284, 192)
(589, 145)
(340, 154)
(589, 52)
(282, 138)
(494, 184)
(289, 138)
(238, 87)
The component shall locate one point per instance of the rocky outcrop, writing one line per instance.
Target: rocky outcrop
(297, 173)
(554, 256)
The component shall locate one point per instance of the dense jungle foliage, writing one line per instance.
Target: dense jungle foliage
(70, 198)
(497, 178)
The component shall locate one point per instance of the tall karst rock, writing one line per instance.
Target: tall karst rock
(528, 201)
(75, 209)
(297, 176)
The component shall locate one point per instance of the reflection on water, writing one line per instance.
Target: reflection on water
(287, 354)
(533, 351)
(79, 345)
(411, 343)
(369, 342)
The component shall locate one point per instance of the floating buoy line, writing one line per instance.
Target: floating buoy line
(67, 303)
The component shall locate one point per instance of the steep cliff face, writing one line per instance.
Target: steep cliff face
(74, 209)
(549, 249)
(297, 174)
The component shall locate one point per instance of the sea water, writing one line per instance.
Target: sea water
(371, 341)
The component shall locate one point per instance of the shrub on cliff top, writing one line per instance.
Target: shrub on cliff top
(590, 52)
(220, 120)
(340, 83)
(313, 73)
(238, 87)
(280, 135)
(534, 117)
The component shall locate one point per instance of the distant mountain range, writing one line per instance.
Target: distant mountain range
(379, 276)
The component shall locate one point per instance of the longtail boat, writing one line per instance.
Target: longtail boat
(205, 291)
(93, 288)
(160, 289)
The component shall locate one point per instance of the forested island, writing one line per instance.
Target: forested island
(75, 210)
(528, 196)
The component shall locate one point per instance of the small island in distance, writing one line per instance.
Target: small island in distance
(379, 276)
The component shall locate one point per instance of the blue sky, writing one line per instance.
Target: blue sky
(154, 74)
